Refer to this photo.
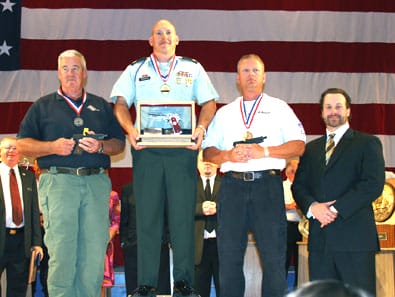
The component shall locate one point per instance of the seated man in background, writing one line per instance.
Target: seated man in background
(328, 288)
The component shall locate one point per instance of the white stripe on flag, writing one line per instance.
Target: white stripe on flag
(218, 25)
(293, 87)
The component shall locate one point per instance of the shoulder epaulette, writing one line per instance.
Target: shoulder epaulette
(189, 59)
(138, 60)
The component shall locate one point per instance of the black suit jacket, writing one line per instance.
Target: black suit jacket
(127, 228)
(31, 212)
(128, 236)
(200, 218)
(354, 177)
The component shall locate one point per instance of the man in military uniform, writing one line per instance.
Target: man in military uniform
(164, 178)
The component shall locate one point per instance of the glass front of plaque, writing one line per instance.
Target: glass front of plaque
(165, 123)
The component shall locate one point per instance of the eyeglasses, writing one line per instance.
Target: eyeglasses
(9, 148)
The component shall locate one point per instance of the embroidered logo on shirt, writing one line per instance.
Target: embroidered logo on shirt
(92, 108)
(300, 125)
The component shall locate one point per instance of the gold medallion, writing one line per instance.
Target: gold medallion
(165, 88)
(303, 227)
(383, 206)
(247, 135)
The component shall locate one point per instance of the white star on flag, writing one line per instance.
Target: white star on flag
(7, 5)
(5, 49)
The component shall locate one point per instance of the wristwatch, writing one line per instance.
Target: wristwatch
(203, 129)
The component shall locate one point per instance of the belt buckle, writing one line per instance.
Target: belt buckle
(80, 171)
(12, 232)
(249, 176)
(53, 170)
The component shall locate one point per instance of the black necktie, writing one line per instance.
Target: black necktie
(210, 220)
(17, 215)
(207, 190)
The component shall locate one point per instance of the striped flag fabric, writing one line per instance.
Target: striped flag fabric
(307, 46)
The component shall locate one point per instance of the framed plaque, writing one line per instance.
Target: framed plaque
(165, 123)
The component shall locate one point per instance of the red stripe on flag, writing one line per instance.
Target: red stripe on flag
(11, 114)
(292, 5)
(278, 56)
(370, 118)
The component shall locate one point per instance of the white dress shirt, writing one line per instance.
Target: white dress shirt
(207, 234)
(5, 182)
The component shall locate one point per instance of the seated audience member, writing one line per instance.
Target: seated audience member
(114, 209)
(328, 288)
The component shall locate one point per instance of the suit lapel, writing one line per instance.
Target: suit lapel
(340, 147)
(320, 152)
(2, 205)
(200, 186)
(216, 187)
(26, 191)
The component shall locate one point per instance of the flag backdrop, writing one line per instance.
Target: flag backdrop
(307, 46)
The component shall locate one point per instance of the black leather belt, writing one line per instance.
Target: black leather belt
(80, 171)
(253, 175)
(13, 231)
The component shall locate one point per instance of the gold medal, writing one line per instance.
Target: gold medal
(248, 135)
(165, 88)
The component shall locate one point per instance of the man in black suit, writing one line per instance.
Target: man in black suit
(128, 235)
(206, 253)
(18, 237)
(335, 187)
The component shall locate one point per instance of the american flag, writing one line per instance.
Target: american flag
(307, 46)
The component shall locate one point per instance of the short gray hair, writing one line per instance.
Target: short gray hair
(72, 53)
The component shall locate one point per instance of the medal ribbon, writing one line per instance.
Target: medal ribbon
(166, 77)
(248, 119)
(70, 102)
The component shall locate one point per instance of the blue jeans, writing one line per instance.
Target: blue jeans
(256, 206)
(75, 210)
